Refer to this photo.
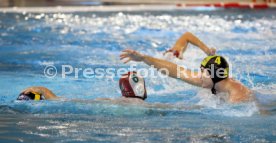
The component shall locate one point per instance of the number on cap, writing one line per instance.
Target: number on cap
(218, 60)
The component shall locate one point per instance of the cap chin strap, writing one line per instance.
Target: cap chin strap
(214, 80)
(214, 91)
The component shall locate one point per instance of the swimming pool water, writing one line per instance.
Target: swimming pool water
(31, 41)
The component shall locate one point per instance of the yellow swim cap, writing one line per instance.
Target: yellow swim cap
(214, 64)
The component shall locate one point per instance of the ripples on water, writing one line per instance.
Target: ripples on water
(30, 41)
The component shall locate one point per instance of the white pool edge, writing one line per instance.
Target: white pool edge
(90, 8)
(117, 8)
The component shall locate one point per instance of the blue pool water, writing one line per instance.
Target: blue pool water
(31, 41)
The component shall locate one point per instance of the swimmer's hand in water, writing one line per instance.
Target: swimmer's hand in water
(48, 94)
(174, 52)
(212, 51)
(182, 44)
(131, 55)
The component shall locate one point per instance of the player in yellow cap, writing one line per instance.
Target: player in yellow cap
(214, 69)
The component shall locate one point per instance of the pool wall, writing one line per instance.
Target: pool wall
(182, 3)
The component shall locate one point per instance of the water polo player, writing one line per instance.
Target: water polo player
(36, 93)
(132, 87)
(214, 69)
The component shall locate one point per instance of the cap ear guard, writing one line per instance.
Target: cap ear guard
(36, 96)
(132, 85)
(138, 85)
